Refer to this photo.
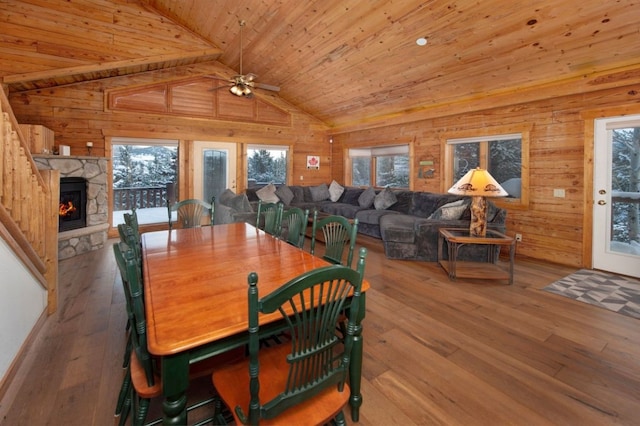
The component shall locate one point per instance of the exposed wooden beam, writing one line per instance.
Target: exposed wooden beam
(57, 77)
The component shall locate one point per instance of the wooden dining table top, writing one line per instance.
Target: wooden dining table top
(195, 281)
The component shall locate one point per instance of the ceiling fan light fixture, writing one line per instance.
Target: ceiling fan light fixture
(236, 90)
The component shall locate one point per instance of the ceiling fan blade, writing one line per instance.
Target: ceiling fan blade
(267, 87)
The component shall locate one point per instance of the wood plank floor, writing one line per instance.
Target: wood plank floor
(469, 352)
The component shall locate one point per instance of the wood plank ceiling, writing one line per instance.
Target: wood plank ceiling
(343, 61)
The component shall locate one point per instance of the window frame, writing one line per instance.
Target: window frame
(373, 153)
(484, 136)
(114, 141)
(257, 146)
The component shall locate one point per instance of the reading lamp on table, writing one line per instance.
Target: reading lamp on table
(478, 184)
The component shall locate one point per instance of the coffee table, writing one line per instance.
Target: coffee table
(457, 238)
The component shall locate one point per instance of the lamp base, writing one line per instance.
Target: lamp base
(478, 226)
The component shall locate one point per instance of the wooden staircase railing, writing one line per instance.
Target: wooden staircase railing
(29, 201)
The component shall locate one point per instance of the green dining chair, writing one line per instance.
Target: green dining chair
(269, 217)
(293, 226)
(191, 213)
(338, 233)
(131, 219)
(303, 381)
(142, 381)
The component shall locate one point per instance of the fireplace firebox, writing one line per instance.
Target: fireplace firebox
(72, 213)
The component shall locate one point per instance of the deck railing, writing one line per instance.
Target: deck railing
(140, 198)
(28, 205)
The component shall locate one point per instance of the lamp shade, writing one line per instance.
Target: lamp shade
(478, 183)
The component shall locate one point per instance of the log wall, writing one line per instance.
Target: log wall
(553, 229)
(561, 152)
(80, 113)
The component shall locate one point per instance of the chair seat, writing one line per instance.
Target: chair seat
(200, 369)
(232, 383)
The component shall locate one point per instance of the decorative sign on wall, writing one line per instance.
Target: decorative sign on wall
(313, 162)
(426, 170)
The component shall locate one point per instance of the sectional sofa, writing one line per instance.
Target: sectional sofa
(407, 222)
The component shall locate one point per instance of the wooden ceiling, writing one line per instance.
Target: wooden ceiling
(346, 62)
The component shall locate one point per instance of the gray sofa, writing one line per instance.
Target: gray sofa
(408, 227)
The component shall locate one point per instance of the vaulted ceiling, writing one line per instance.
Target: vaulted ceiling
(346, 62)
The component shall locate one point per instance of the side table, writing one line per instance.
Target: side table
(456, 238)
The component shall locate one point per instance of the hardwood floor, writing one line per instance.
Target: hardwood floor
(469, 352)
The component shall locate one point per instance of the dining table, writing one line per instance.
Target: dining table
(195, 292)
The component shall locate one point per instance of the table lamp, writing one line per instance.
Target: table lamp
(478, 184)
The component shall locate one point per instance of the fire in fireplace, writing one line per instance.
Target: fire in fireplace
(72, 213)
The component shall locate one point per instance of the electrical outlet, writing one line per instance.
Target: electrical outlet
(519, 238)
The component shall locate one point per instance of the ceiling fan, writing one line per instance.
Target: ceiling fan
(243, 84)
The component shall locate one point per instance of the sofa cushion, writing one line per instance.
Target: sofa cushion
(335, 191)
(385, 199)
(365, 199)
(340, 209)
(450, 211)
(298, 194)
(372, 216)
(403, 205)
(225, 197)
(351, 195)
(240, 203)
(399, 228)
(285, 194)
(268, 194)
(425, 203)
(320, 192)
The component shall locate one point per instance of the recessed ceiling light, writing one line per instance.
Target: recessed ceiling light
(422, 41)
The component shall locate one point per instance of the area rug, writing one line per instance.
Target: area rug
(613, 292)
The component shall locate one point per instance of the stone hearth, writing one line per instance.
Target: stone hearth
(94, 170)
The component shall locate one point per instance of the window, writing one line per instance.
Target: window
(503, 155)
(143, 171)
(266, 164)
(380, 166)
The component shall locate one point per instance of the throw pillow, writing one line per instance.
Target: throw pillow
(385, 199)
(226, 197)
(268, 194)
(285, 194)
(365, 200)
(240, 203)
(450, 211)
(298, 194)
(320, 192)
(335, 191)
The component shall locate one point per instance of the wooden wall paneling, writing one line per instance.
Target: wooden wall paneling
(554, 229)
(195, 99)
(233, 107)
(557, 133)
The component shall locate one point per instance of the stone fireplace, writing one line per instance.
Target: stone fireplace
(93, 170)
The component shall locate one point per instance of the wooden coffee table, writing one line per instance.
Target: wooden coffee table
(456, 238)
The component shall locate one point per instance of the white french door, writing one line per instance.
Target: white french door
(616, 208)
(214, 168)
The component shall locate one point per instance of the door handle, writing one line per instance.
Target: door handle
(602, 192)
(602, 202)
